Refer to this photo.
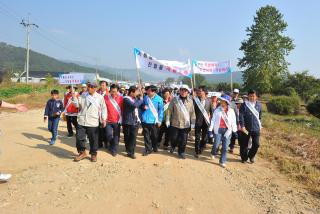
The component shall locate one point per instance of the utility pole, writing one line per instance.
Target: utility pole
(28, 27)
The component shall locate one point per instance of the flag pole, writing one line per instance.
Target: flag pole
(192, 86)
(231, 82)
(193, 75)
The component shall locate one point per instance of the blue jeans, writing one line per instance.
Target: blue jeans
(113, 136)
(53, 123)
(218, 139)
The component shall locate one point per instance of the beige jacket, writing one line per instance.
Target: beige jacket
(175, 115)
(91, 114)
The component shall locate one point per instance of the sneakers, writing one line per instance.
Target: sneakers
(223, 165)
(70, 135)
(81, 156)
(212, 156)
(172, 150)
(52, 142)
(182, 156)
(196, 155)
(145, 153)
(5, 177)
(231, 151)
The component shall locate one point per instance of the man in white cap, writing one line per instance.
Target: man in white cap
(235, 94)
(181, 117)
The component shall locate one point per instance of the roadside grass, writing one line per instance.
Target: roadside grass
(293, 144)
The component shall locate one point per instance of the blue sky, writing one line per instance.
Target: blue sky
(175, 30)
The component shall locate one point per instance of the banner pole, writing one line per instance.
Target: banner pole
(231, 82)
(139, 78)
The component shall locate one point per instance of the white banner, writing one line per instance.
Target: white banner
(145, 61)
(203, 67)
(71, 79)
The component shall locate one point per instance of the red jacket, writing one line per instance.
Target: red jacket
(71, 108)
(113, 115)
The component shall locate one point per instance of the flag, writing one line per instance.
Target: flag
(148, 62)
(204, 67)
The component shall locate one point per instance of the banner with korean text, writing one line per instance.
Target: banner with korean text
(204, 67)
(148, 62)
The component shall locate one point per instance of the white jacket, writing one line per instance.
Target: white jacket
(215, 121)
(90, 115)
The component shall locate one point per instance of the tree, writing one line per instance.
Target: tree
(265, 51)
(169, 80)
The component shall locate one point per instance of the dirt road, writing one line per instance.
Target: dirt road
(46, 180)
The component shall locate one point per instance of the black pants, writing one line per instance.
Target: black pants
(71, 120)
(255, 136)
(92, 133)
(113, 136)
(150, 134)
(164, 130)
(201, 135)
(130, 133)
(233, 140)
(102, 138)
(179, 137)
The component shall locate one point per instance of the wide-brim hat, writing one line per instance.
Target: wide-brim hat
(225, 98)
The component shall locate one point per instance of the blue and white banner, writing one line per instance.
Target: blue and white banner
(71, 79)
(204, 67)
(148, 62)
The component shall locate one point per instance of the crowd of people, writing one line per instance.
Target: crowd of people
(165, 115)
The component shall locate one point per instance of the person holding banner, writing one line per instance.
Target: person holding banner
(250, 122)
(223, 123)
(181, 118)
(114, 103)
(71, 111)
(92, 112)
(103, 90)
(164, 130)
(202, 107)
(152, 116)
(131, 120)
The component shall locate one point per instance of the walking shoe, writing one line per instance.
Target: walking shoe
(114, 154)
(81, 156)
(223, 165)
(5, 177)
(196, 155)
(212, 156)
(165, 147)
(70, 135)
(145, 153)
(155, 150)
(252, 160)
(93, 158)
(132, 156)
(231, 151)
(243, 161)
(172, 150)
(182, 156)
(52, 142)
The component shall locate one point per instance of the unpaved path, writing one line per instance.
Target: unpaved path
(46, 180)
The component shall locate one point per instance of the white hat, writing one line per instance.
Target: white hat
(127, 87)
(236, 91)
(184, 86)
(84, 85)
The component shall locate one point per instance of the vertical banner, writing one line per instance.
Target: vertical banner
(204, 67)
(148, 62)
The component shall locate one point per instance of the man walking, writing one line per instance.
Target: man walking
(250, 122)
(92, 111)
(152, 116)
(181, 118)
(202, 107)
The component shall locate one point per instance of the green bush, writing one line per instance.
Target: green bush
(314, 107)
(284, 105)
(18, 89)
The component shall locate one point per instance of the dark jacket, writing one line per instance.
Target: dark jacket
(128, 114)
(247, 118)
(52, 107)
(199, 116)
